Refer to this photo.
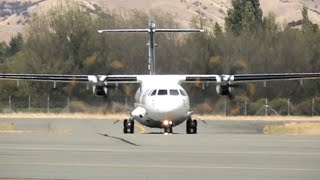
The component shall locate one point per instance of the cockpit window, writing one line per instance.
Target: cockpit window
(182, 93)
(174, 92)
(154, 92)
(162, 92)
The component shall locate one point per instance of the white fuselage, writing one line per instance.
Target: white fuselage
(160, 99)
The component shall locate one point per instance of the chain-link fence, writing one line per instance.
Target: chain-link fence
(224, 106)
(261, 107)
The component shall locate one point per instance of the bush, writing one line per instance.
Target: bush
(254, 107)
(77, 106)
(305, 107)
(280, 105)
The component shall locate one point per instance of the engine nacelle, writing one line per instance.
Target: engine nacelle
(100, 89)
(223, 90)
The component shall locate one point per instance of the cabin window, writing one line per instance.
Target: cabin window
(162, 92)
(174, 92)
(154, 92)
(182, 93)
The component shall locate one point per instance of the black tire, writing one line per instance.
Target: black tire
(125, 128)
(168, 130)
(188, 126)
(132, 127)
(195, 123)
(195, 126)
(191, 127)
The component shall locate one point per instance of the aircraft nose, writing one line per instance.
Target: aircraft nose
(163, 105)
(168, 108)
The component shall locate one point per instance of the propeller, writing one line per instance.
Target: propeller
(226, 81)
(101, 86)
(225, 87)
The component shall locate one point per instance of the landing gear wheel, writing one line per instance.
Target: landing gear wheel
(125, 128)
(168, 130)
(132, 126)
(128, 126)
(195, 126)
(191, 126)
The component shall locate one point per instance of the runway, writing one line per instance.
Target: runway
(97, 149)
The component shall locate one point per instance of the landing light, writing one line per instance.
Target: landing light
(166, 122)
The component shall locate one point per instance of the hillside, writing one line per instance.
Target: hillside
(14, 14)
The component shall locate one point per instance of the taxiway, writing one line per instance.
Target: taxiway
(97, 149)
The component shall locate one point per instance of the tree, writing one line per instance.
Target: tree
(3, 51)
(246, 15)
(217, 30)
(15, 44)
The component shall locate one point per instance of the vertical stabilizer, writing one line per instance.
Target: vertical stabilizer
(151, 43)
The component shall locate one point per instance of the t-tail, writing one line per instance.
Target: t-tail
(151, 44)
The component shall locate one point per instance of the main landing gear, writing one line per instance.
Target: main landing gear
(168, 129)
(191, 126)
(128, 126)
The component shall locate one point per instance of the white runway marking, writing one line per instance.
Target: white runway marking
(140, 151)
(162, 166)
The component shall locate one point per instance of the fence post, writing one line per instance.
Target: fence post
(245, 105)
(29, 104)
(225, 107)
(68, 104)
(288, 106)
(266, 108)
(10, 103)
(312, 108)
(48, 104)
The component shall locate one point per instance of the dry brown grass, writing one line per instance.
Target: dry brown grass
(293, 129)
(63, 116)
(257, 118)
(7, 127)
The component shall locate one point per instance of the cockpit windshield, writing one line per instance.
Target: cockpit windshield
(174, 92)
(182, 93)
(154, 92)
(162, 92)
(167, 92)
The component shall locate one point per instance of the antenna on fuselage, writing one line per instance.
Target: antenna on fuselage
(151, 43)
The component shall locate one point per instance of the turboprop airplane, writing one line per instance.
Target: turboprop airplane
(161, 101)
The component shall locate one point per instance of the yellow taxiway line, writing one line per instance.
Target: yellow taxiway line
(141, 128)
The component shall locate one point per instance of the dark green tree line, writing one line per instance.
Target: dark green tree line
(65, 40)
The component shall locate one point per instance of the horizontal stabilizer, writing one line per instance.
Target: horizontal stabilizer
(179, 30)
(123, 30)
(148, 30)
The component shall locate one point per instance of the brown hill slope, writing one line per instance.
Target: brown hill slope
(216, 10)
(13, 20)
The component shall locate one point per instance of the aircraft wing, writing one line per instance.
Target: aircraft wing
(274, 77)
(214, 78)
(249, 77)
(71, 78)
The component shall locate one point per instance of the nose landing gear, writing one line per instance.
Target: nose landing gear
(128, 126)
(167, 126)
(191, 126)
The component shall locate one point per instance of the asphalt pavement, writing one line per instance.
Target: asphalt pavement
(97, 149)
